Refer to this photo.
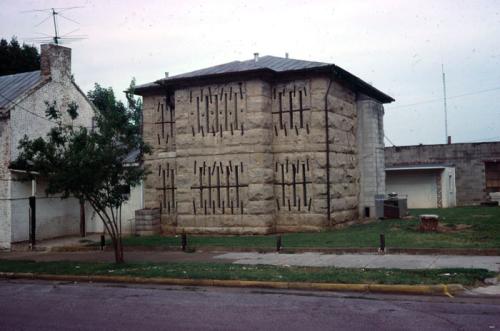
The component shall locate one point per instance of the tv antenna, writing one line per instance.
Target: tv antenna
(57, 38)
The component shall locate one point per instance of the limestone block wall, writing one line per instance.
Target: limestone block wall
(159, 130)
(298, 148)
(370, 136)
(250, 156)
(224, 160)
(159, 123)
(344, 161)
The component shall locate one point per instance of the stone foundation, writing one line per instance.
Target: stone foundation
(147, 222)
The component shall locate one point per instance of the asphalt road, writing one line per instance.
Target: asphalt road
(30, 305)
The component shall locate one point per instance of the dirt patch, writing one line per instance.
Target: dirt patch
(453, 228)
(481, 216)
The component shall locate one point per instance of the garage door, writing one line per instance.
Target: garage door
(419, 186)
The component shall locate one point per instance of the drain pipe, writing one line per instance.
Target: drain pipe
(327, 134)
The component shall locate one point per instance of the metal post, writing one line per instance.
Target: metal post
(103, 242)
(183, 242)
(32, 204)
(382, 243)
(445, 105)
(278, 243)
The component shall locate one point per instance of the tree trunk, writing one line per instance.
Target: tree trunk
(118, 248)
(82, 218)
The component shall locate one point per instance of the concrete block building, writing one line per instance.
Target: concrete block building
(22, 112)
(265, 145)
(476, 168)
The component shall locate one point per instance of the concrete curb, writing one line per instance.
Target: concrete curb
(441, 289)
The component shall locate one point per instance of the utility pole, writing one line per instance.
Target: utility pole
(445, 106)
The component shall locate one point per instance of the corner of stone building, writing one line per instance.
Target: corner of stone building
(370, 135)
(344, 165)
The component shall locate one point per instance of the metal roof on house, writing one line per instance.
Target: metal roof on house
(12, 86)
(271, 64)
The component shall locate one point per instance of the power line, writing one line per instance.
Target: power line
(26, 110)
(441, 99)
(35, 114)
(389, 140)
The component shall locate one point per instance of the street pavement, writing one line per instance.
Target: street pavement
(37, 305)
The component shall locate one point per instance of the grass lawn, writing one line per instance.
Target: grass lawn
(464, 227)
(258, 272)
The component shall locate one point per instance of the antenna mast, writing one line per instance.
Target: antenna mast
(445, 106)
(56, 36)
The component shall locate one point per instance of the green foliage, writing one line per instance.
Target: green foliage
(104, 99)
(483, 231)
(134, 104)
(15, 58)
(253, 272)
(87, 164)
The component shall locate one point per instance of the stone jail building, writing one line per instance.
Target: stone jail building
(265, 145)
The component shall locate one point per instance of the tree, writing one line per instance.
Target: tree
(15, 58)
(134, 105)
(84, 163)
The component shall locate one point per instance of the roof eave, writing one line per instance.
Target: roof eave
(361, 85)
(266, 73)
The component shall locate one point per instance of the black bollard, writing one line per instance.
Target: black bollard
(382, 243)
(183, 242)
(278, 243)
(32, 204)
(103, 242)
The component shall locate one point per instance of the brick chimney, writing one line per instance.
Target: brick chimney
(55, 61)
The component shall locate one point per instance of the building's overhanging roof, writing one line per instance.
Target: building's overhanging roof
(269, 67)
(13, 86)
(419, 167)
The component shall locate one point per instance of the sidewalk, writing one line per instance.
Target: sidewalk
(397, 261)
(49, 244)
(301, 259)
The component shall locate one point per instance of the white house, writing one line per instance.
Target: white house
(22, 112)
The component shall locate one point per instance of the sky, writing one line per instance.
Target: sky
(397, 46)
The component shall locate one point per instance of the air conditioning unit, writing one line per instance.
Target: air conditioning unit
(379, 205)
(395, 206)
